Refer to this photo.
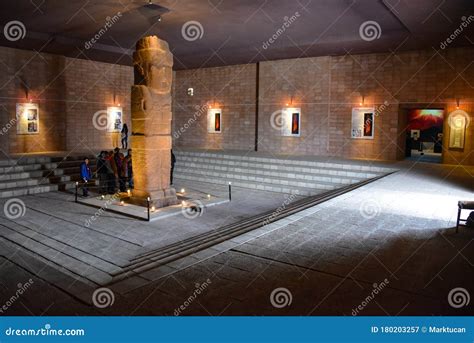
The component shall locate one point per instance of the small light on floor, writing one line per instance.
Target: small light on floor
(102, 197)
(129, 192)
(153, 209)
(208, 196)
(183, 203)
(183, 190)
(122, 202)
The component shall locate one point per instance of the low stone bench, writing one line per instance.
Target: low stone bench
(463, 205)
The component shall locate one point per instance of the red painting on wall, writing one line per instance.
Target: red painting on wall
(295, 124)
(428, 121)
(217, 122)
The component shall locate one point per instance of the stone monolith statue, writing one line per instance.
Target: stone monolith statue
(151, 122)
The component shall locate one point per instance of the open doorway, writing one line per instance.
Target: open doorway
(424, 134)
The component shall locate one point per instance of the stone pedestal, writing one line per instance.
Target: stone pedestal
(151, 123)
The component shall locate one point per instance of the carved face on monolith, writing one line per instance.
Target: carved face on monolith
(151, 122)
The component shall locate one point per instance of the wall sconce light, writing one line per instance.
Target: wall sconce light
(362, 102)
(290, 103)
(190, 91)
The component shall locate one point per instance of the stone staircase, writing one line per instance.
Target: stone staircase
(32, 175)
(303, 176)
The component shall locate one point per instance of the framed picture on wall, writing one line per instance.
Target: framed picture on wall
(114, 119)
(457, 122)
(291, 122)
(214, 120)
(363, 123)
(27, 115)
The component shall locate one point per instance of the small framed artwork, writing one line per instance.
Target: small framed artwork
(114, 119)
(415, 134)
(27, 116)
(214, 120)
(363, 123)
(291, 122)
(457, 122)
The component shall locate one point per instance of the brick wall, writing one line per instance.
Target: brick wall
(91, 87)
(232, 89)
(326, 89)
(69, 91)
(38, 72)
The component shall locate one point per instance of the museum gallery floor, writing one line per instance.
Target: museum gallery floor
(236, 158)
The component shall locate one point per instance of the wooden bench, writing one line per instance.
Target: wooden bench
(463, 205)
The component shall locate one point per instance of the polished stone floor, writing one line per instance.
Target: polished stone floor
(388, 248)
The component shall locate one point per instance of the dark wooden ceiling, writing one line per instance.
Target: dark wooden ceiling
(234, 31)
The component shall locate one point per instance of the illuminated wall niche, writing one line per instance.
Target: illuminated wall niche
(458, 121)
(214, 120)
(114, 119)
(291, 122)
(363, 123)
(27, 116)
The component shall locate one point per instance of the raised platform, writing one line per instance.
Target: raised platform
(302, 175)
(35, 173)
(192, 203)
(91, 248)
